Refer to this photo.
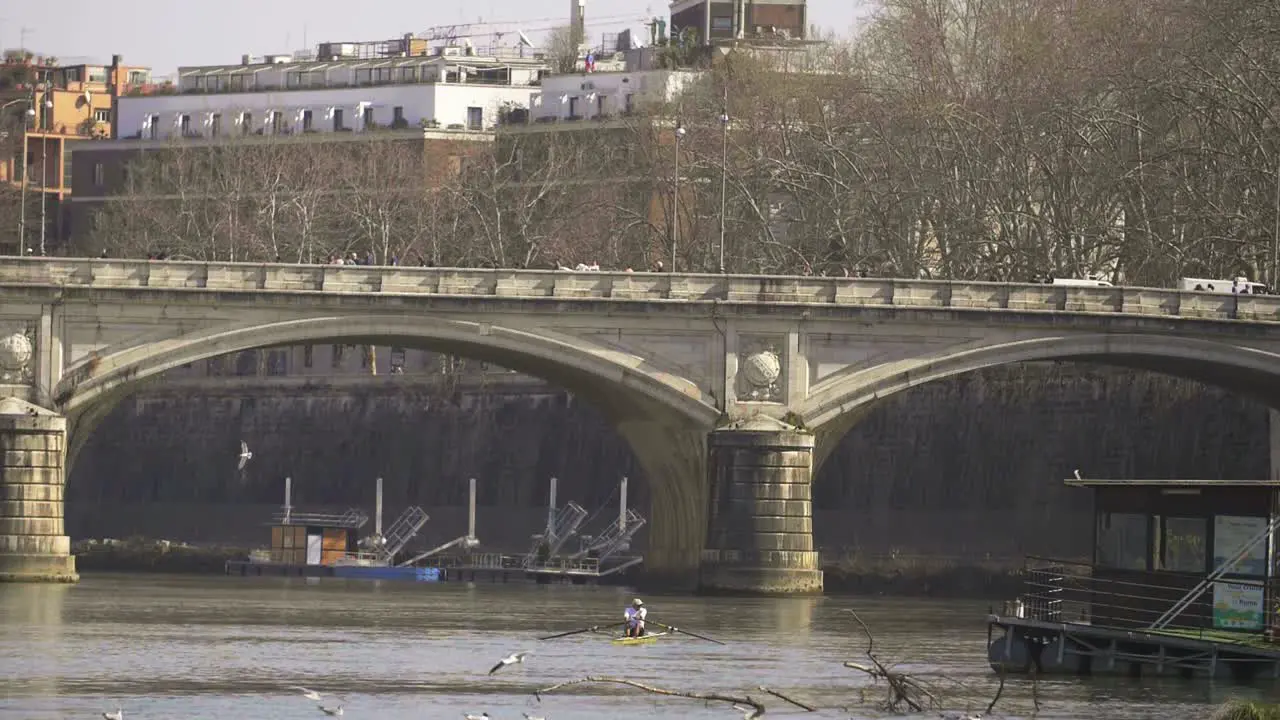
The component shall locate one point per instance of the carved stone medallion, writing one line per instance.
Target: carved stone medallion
(17, 351)
(761, 370)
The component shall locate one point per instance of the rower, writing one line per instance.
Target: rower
(635, 616)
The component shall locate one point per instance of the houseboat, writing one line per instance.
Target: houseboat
(1181, 583)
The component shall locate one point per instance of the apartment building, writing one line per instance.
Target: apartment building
(346, 87)
(717, 21)
(55, 108)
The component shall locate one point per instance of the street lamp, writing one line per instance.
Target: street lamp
(724, 170)
(675, 199)
(22, 206)
(44, 161)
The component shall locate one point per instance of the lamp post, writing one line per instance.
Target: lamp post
(724, 169)
(44, 160)
(675, 199)
(22, 203)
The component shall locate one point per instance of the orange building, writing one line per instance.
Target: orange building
(60, 106)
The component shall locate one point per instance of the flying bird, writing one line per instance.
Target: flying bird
(309, 694)
(245, 455)
(748, 713)
(330, 711)
(511, 659)
(117, 715)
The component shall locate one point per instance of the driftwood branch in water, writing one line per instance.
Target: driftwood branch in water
(756, 705)
(787, 698)
(903, 688)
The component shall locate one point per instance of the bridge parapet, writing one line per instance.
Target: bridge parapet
(636, 287)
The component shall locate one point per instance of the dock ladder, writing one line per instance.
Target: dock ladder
(402, 531)
(615, 538)
(566, 522)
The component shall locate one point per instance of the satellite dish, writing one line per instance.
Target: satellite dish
(524, 39)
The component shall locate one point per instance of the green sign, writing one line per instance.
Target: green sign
(1238, 606)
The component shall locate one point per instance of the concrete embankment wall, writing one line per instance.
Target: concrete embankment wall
(965, 473)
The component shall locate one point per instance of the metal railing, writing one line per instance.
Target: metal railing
(1230, 609)
(107, 274)
(351, 519)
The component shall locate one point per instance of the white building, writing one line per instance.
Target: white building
(586, 96)
(449, 89)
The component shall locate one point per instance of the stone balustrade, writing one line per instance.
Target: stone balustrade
(633, 286)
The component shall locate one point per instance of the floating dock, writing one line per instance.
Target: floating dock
(1181, 585)
(316, 545)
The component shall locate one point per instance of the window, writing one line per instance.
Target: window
(102, 116)
(215, 125)
(306, 121)
(337, 119)
(367, 119)
(722, 23)
(631, 105)
(136, 77)
(1182, 544)
(184, 122)
(153, 128)
(335, 358)
(97, 75)
(97, 175)
(475, 118)
(397, 116)
(275, 122)
(1122, 541)
(308, 355)
(397, 360)
(573, 107)
(600, 104)
(246, 123)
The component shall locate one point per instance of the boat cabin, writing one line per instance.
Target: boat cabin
(1180, 555)
(312, 539)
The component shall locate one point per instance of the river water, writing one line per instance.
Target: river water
(222, 647)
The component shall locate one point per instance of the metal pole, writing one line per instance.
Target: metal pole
(377, 510)
(675, 201)
(22, 211)
(471, 511)
(622, 506)
(44, 157)
(288, 495)
(724, 168)
(551, 509)
(1275, 238)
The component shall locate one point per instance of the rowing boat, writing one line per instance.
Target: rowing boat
(642, 640)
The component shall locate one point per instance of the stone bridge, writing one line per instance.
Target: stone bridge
(731, 390)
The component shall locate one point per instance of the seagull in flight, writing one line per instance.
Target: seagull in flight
(330, 711)
(511, 659)
(309, 694)
(117, 715)
(245, 455)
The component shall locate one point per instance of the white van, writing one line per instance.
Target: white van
(1076, 282)
(1238, 286)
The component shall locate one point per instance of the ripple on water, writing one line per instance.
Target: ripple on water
(233, 647)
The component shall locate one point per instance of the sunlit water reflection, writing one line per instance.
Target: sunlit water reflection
(206, 647)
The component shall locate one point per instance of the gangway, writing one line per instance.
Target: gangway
(467, 541)
(615, 538)
(402, 531)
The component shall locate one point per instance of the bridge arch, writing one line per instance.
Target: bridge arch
(837, 403)
(663, 417)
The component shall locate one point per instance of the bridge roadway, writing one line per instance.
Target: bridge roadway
(731, 390)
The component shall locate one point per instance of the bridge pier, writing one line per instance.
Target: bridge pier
(760, 524)
(33, 543)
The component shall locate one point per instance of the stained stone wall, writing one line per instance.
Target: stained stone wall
(970, 467)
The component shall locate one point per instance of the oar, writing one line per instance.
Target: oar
(593, 628)
(686, 632)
